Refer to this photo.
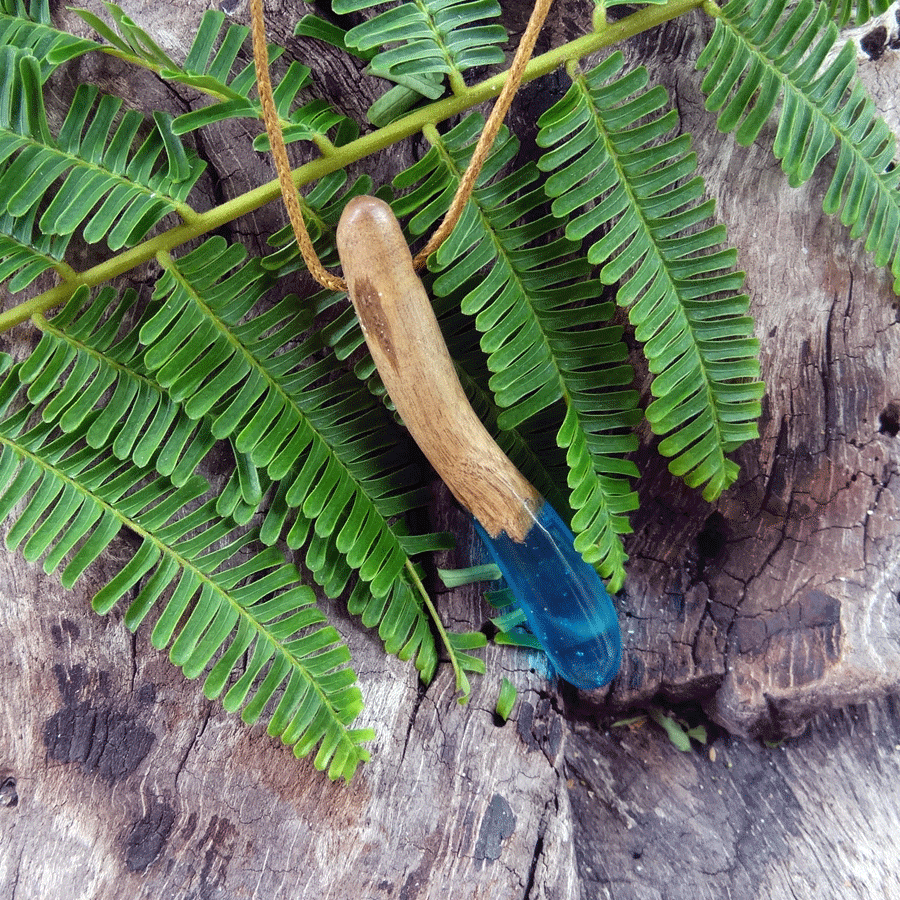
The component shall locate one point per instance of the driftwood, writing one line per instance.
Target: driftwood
(117, 779)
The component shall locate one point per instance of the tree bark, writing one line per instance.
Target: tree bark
(775, 605)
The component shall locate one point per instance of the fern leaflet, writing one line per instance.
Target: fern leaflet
(762, 52)
(138, 421)
(218, 64)
(859, 11)
(25, 251)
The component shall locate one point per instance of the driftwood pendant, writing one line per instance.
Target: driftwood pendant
(563, 598)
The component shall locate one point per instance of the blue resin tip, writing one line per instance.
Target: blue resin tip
(566, 604)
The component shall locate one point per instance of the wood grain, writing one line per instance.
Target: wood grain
(810, 819)
(128, 783)
(405, 340)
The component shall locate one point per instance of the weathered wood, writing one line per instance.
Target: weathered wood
(780, 599)
(118, 779)
(813, 818)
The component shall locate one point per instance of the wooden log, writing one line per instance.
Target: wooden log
(814, 817)
(118, 779)
(779, 600)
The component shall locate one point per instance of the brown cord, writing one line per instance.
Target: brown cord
(279, 153)
(467, 182)
(489, 134)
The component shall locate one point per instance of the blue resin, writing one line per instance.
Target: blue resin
(565, 602)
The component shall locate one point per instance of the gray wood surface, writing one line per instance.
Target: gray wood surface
(813, 819)
(117, 779)
(121, 780)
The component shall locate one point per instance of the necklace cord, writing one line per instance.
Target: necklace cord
(467, 182)
(279, 153)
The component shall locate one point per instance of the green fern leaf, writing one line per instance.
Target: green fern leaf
(223, 600)
(129, 38)
(25, 251)
(313, 26)
(215, 66)
(143, 422)
(203, 69)
(418, 40)
(762, 51)
(538, 315)
(314, 121)
(859, 11)
(315, 432)
(109, 189)
(33, 31)
(615, 170)
(137, 421)
(29, 10)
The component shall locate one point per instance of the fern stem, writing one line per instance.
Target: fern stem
(158, 68)
(457, 83)
(462, 683)
(341, 157)
(64, 270)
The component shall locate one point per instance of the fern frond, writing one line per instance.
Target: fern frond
(28, 10)
(33, 30)
(219, 64)
(223, 600)
(138, 420)
(418, 40)
(315, 432)
(762, 52)
(110, 188)
(540, 461)
(537, 313)
(203, 69)
(615, 169)
(313, 26)
(108, 382)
